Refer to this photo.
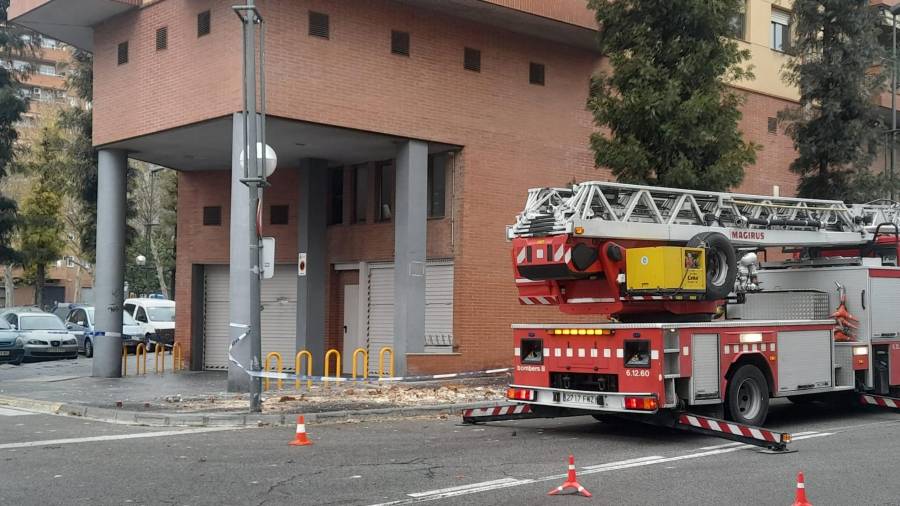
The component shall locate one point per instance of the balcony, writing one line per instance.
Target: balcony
(70, 21)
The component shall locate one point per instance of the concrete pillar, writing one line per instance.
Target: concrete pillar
(410, 219)
(109, 286)
(239, 263)
(311, 288)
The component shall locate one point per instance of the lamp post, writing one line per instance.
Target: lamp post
(894, 10)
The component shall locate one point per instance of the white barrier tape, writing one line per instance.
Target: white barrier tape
(289, 376)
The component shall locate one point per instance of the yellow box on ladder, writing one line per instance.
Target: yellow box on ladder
(665, 269)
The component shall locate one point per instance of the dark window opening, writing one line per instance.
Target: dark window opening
(437, 186)
(400, 43)
(212, 215)
(532, 351)
(204, 23)
(385, 181)
(123, 53)
(536, 74)
(279, 215)
(637, 353)
(472, 59)
(336, 186)
(162, 38)
(773, 125)
(360, 194)
(738, 23)
(318, 25)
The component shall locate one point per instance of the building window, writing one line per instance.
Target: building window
(318, 25)
(385, 181)
(781, 30)
(437, 185)
(204, 23)
(472, 59)
(400, 43)
(212, 215)
(162, 38)
(336, 185)
(123, 53)
(739, 23)
(360, 193)
(278, 214)
(772, 125)
(47, 70)
(536, 74)
(48, 43)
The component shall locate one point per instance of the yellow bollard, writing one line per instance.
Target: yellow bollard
(177, 357)
(159, 360)
(140, 351)
(365, 363)
(124, 361)
(300, 355)
(337, 363)
(278, 367)
(386, 349)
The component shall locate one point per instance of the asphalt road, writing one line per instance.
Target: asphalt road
(849, 457)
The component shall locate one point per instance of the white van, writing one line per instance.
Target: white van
(156, 316)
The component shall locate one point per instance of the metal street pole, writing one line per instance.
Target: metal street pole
(253, 178)
(893, 100)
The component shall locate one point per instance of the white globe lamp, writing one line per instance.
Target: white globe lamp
(269, 158)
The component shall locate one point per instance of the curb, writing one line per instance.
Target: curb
(162, 419)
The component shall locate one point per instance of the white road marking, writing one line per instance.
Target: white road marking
(93, 439)
(14, 412)
(594, 469)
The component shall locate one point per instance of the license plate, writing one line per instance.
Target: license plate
(4, 353)
(56, 349)
(577, 398)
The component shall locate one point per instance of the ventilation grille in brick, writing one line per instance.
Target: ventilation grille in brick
(472, 59)
(203, 24)
(773, 125)
(400, 43)
(162, 38)
(123, 53)
(536, 73)
(318, 25)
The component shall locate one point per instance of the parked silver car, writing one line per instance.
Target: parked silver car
(44, 334)
(80, 322)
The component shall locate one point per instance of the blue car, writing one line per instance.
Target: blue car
(12, 347)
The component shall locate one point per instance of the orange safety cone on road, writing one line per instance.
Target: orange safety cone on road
(571, 482)
(800, 499)
(300, 438)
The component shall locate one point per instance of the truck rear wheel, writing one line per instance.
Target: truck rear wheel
(747, 397)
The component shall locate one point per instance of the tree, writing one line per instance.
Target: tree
(672, 118)
(836, 46)
(78, 121)
(153, 194)
(12, 106)
(41, 228)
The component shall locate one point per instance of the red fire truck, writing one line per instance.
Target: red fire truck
(693, 311)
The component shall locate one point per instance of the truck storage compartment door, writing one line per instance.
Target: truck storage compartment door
(804, 360)
(705, 375)
(885, 301)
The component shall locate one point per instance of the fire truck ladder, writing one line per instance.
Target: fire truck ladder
(622, 211)
(879, 401)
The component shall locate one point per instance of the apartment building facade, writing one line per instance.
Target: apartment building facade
(405, 128)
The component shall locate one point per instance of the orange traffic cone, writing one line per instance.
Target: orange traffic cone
(300, 439)
(800, 500)
(571, 482)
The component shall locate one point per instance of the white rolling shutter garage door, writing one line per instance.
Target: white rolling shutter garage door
(279, 324)
(438, 309)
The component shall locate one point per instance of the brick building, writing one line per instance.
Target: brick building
(434, 115)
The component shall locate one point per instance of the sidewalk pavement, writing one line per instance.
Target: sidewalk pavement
(199, 398)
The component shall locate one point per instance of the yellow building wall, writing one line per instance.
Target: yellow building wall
(767, 64)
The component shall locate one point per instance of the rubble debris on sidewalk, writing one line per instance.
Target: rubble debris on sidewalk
(345, 396)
